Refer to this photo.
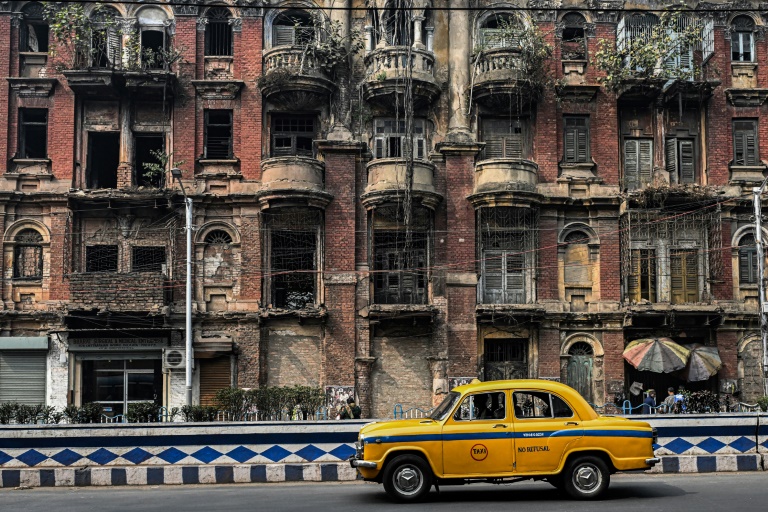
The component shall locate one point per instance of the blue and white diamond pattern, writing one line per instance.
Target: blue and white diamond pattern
(705, 445)
(181, 455)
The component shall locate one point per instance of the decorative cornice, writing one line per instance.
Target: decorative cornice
(746, 97)
(32, 87)
(16, 18)
(185, 8)
(610, 14)
(170, 26)
(218, 89)
(236, 24)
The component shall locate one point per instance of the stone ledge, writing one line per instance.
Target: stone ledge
(710, 463)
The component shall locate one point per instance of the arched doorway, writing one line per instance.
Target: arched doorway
(750, 368)
(581, 367)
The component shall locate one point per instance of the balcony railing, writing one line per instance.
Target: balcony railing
(294, 60)
(387, 69)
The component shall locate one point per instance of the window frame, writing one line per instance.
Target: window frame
(293, 135)
(581, 150)
(218, 33)
(19, 245)
(391, 143)
(207, 137)
(747, 259)
(741, 135)
(136, 249)
(24, 125)
(91, 250)
(738, 36)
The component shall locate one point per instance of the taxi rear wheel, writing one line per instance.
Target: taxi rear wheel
(407, 478)
(586, 478)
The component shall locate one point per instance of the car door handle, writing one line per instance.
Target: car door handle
(571, 423)
(500, 425)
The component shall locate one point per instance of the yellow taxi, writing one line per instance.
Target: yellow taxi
(504, 431)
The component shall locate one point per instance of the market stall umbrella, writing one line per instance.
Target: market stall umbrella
(660, 355)
(703, 362)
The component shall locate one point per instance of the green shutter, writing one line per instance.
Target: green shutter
(670, 157)
(687, 162)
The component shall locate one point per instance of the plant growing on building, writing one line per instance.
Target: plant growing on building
(155, 171)
(649, 58)
(79, 37)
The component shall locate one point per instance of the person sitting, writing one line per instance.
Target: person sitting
(649, 404)
(481, 408)
(669, 402)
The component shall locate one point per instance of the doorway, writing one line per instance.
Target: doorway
(113, 384)
(506, 359)
(103, 159)
(147, 147)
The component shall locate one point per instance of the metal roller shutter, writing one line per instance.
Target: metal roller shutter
(215, 374)
(22, 376)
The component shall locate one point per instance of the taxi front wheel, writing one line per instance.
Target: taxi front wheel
(586, 478)
(407, 478)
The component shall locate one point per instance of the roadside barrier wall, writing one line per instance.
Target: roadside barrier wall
(192, 453)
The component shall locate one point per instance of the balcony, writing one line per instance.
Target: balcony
(505, 182)
(119, 292)
(387, 69)
(387, 182)
(293, 179)
(294, 80)
(104, 81)
(498, 81)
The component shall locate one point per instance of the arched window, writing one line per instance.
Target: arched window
(217, 256)
(742, 39)
(106, 44)
(576, 266)
(218, 237)
(293, 28)
(499, 30)
(218, 32)
(747, 260)
(573, 45)
(152, 27)
(28, 255)
(33, 35)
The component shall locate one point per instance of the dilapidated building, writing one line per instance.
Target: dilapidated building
(389, 196)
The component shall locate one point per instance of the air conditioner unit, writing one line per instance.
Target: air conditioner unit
(175, 359)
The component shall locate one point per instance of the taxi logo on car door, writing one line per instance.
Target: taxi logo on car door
(479, 452)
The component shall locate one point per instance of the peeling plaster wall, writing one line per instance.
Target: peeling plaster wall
(294, 354)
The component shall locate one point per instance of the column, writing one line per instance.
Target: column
(459, 48)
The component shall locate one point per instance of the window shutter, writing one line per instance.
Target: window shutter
(739, 156)
(631, 165)
(582, 145)
(650, 262)
(708, 38)
(493, 278)
(22, 376)
(283, 35)
(419, 153)
(513, 146)
(670, 154)
(687, 167)
(645, 160)
(747, 265)
(633, 281)
(691, 277)
(114, 54)
(677, 278)
(621, 35)
(494, 147)
(492, 38)
(379, 141)
(750, 153)
(570, 144)
(515, 285)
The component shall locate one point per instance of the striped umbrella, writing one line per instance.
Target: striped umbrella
(703, 362)
(660, 355)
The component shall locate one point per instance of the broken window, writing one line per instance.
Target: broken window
(101, 258)
(103, 159)
(292, 135)
(218, 32)
(148, 149)
(680, 160)
(638, 163)
(218, 134)
(152, 25)
(745, 150)
(28, 255)
(148, 259)
(217, 255)
(742, 39)
(33, 33)
(576, 141)
(684, 267)
(400, 253)
(747, 260)
(642, 279)
(507, 239)
(292, 240)
(573, 45)
(391, 138)
(504, 138)
(499, 31)
(106, 42)
(293, 28)
(33, 133)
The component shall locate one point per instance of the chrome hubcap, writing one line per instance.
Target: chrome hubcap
(587, 478)
(408, 479)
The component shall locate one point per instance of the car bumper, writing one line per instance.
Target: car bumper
(652, 461)
(359, 463)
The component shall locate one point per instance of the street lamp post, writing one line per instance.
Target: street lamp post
(757, 194)
(176, 173)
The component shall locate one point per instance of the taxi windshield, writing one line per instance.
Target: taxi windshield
(446, 406)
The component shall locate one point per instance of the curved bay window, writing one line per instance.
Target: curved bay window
(28, 255)
(401, 252)
(293, 28)
(218, 33)
(392, 138)
(573, 45)
(742, 39)
(292, 242)
(507, 239)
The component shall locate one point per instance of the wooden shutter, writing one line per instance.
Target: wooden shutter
(283, 35)
(493, 277)
(645, 160)
(576, 140)
(633, 280)
(747, 265)
(515, 282)
(215, 374)
(684, 277)
(621, 35)
(744, 143)
(114, 54)
(708, 39)
(670, 157)
(513, 146)
(631, 164)
(641, 283)
(22, 376)
(687, 162)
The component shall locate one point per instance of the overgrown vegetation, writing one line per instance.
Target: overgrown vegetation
(155, 171)
(648, 58)
(657, 194)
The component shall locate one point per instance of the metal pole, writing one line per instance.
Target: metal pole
(757, 193)
(188, 202)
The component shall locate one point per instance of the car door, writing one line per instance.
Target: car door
(477, 437)
(545, 426)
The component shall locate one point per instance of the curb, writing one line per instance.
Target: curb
(710, 463)
(176, 475)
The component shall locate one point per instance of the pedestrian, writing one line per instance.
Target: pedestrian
(649, 404)
(669, 402)
(350, 411)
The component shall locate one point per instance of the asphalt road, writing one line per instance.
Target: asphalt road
(723, 492)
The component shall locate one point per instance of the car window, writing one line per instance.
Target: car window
(482, 406)
(442, 410)
(539, 404)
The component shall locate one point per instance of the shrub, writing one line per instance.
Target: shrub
(197, 413)
(762, 402)
(142, 412)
